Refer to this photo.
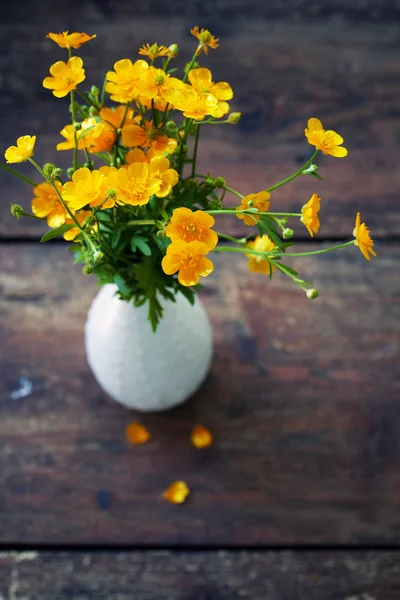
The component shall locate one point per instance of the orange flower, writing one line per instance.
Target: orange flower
(115, 117)
(70, 40)
(190, 226)
(22, 151)
(85, 188)
(148, 137)
(158, 83)
(206, 40)
(123, 83)
(257, 263)
(259, 201)
(46, 203)
(137, 433)
(159, 166)
(135, 184)
(363, 239)
(329, 142)
(106, 188)
(177, 492)
(309, 214)
(80, 216)
(201, 437)
(65, 76)
(201, 80)
(189, 259)
(94, 135)
(153, 51)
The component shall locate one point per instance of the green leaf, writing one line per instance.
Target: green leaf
(141, 243)
(162, 243)
(122, 285)
(116, 237)
(188, 293)
(56, 232)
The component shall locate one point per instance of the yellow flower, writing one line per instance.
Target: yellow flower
(148, 137)
(191, 103)
(189, 259)
(363, 239)
(137, 434)
(258, 264)
(153, 51)
(190, 226)
(74, 231)
(94, 135)
(259, 201)
(158, 83)
(123, 83)
(85, 188)
(135, 184)
(201, 437)
(22, 151)
(107, 184)
(65, 76)
(46, 203)
(206, 40)
(70, 40)
(329, 142)
(201, 80)
(159, 166)
(309, 214)
(176, 493)
(114, 117)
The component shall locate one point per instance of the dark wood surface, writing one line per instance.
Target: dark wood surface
(219, 575)
(302, 399)
(283, 72)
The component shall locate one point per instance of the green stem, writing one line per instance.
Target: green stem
(225, 236)
(324, 251)
(233, 211)
(190, 66)
(238, 194)
(87, 100)
(141, 222)
(88, 159)
(196, 142)
(299, 172)
(26, 179)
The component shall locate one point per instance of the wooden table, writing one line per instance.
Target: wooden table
(299, 497)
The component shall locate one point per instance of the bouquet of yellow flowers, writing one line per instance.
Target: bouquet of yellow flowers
(137, 210)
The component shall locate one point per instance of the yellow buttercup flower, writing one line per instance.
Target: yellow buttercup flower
(363, 238)
(259, 201)
(22, 151)
(148, 137)
(189, 226)
(80, 216)
(114, 117)
(201, 437)
(206, 39)
(153, 51)
(123, 83)
(70, 40)
(65, 76)
(329, 142)
(158, 83)
(135, 184)
(309, 214)
(191, 103)
(46, 203)
(85, 188)
(159, 166)
(107, 185)
(201, 80)
(258, 264)
(137, 434)
(189, 260)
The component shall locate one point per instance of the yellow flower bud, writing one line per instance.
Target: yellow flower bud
(312, 293)
(234, 117)
(287, 233)
(173, 51)
(87, 270)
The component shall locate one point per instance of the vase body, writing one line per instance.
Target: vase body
(141, 369)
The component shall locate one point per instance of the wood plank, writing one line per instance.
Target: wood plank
(282, 71)
(219, 575)
(302, 399)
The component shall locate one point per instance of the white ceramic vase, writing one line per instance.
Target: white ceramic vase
(144, 370)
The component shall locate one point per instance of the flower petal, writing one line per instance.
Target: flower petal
(176, 493)
(314, 125)
(201, 437)
(137, 433)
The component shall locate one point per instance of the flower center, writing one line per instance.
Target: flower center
(159, 79)
(205, 37)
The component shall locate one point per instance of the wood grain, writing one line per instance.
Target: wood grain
(282, 70)
(200, 576)
(302, 399)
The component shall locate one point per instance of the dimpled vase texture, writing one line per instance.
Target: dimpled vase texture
(144, 370)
